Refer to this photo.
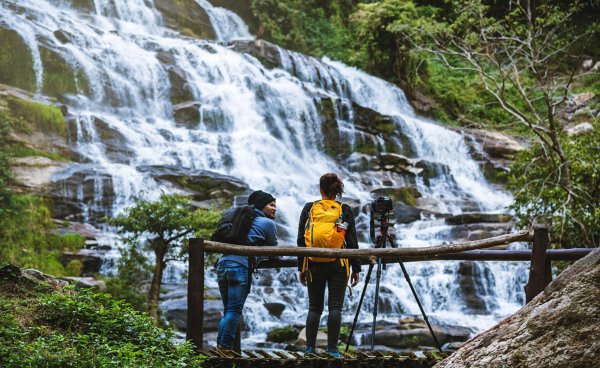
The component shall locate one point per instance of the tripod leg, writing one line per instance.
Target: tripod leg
(378, 278)
(419, 303)
(362, 296)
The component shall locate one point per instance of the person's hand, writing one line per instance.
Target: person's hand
(354, 279)
(303, 277)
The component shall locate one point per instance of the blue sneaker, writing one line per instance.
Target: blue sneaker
(335, 354)
(310, 350)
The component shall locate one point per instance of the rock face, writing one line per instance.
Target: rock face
(559, 328)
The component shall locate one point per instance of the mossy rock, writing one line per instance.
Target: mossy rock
(283, 334)
(188, 17)
(16, 63)
(60, 77)
(17, 69)
(37, 116)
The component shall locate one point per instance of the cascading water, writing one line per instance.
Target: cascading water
(259, 125)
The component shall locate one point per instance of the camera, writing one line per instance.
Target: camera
(381, 208)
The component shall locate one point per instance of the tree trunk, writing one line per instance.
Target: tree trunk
(159, 266)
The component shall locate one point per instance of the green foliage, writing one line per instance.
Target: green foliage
(5, 172)
(40, 327)
(133, 276)
(167, 221)
(574, 220)
(313, 27)
(164, 224)
(74, 268)
(283, 334)
(25, 237)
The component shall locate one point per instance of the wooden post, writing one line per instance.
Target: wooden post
(540, 271)
(237, 342)
(195, 301)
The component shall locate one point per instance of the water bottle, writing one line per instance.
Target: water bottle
(341, 228)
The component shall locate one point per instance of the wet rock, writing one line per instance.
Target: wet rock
(180, 88)
(82, 191)
(406, 214)
(478, 231)
(275, 309)
(243, 9)
(63, 36)
(114, 142)
(203, 184)
(175, 311)
(475, 279)
(187, 113)
(16, 66)
(266, 52)
(186, 16)
(477, 217)
(360, 162)
(414, 333)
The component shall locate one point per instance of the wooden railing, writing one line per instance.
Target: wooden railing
(539, 274)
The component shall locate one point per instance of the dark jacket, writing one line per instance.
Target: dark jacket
(263, 232)
(351, 238)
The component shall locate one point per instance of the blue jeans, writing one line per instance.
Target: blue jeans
(233, 285)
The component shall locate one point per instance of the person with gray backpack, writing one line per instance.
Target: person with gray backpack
(246, 225)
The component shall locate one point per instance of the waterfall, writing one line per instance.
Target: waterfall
(257, 124)
(227, 25)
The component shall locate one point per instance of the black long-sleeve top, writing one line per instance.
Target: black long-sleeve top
(351, 238)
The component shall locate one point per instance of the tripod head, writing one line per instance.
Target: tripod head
(381, 209)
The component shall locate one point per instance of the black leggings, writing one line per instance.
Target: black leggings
(333, 276)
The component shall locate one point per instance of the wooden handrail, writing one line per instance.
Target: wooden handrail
(538, 279)
(365, 253)
(523, 255)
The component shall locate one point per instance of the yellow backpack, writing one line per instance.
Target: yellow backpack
(320, 230)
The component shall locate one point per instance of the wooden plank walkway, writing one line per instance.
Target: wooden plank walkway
(261, 358)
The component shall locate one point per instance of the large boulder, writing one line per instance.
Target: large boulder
(82, 192)
(34, 174)
(413, 332)
(186, 16)
(203, 185)
(558, 328)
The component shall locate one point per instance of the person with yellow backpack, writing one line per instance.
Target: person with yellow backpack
(327, 223)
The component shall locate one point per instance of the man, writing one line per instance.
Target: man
(234, 272)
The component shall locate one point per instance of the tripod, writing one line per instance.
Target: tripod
(383, 239)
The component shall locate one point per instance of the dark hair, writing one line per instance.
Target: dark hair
(331, 185)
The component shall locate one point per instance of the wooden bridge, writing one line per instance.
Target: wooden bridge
(540, 276)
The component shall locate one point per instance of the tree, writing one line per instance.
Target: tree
(163, 226)
(527, 57)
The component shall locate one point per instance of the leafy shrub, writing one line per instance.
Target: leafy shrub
(83, 329)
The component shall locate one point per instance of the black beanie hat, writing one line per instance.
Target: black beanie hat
(260, 199)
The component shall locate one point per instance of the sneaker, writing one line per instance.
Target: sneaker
(335, 354)
(310, 350)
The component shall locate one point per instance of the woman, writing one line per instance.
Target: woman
(318, 273)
